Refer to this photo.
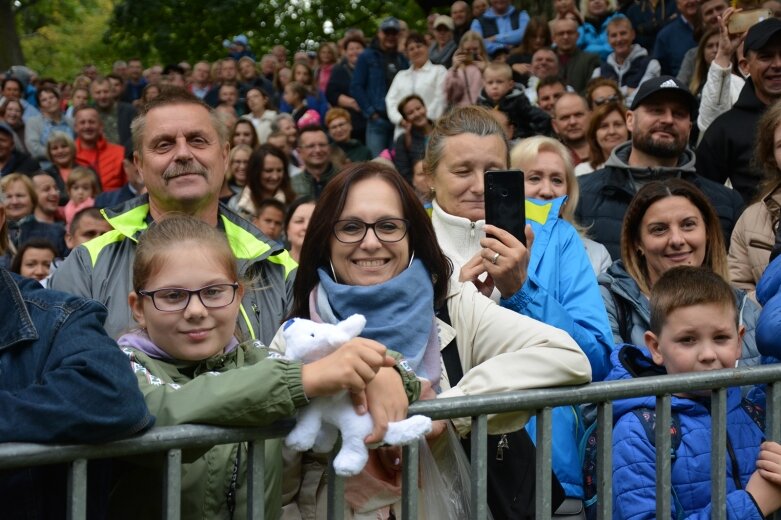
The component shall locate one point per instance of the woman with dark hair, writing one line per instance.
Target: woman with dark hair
(338, 90)
(267, 178)
(243, 132)
(668, 224)
(370, 248)
(756, 229)
(40, 127)
(606, 130)
(34, 260)
(315, 98)
(410, 147)
(536, 36)
(259, 112)
(11, 113)
(422, 78)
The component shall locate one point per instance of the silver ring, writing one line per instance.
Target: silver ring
(495, 258)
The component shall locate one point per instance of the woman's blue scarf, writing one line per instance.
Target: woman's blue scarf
(399, 313)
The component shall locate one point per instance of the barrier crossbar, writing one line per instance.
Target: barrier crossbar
(173, 439)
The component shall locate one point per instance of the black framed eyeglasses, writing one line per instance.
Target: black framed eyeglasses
(174, 299)
(385, 229)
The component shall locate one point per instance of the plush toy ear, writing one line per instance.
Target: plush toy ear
(353, 325)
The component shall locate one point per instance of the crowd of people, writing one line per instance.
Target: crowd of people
(349, 180)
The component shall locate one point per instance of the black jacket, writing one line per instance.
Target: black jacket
(727, 147)
(605, 196)
(527, 119)
(20, 162)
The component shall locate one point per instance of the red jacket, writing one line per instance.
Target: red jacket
(106, 159)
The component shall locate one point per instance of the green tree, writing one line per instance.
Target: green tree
(57, 37)
(173, 30)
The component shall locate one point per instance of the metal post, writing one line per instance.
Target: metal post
(77, 490)
(718, 469)
(172, 487)
(479, 467)
(409, 482)
(605, 460)
(542, 498)
(256, 469)
(335, 510)
(663, 443)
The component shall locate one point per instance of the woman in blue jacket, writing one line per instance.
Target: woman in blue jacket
(561, 287)
(592, 34)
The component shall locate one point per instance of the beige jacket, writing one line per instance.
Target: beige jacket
(500, 351)
(752, 241)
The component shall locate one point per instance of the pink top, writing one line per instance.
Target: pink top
(70, 209)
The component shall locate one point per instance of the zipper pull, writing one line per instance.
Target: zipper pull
(503, 445)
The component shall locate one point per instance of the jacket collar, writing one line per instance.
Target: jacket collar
(748, 100)
(18, 322)
(131, 218)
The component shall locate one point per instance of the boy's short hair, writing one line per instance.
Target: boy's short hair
(271, 203)
(81, 173)
(501, 69)
(92, 212)
(687, 286)
(619, 19)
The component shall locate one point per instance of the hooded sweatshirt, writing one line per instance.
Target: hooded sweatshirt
(606, 193)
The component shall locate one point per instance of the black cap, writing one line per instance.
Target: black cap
(664, 84)
(759, 34)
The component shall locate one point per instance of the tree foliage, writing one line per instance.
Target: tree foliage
(173, 30)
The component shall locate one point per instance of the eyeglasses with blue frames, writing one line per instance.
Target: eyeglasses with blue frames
(386, 230)
(174, 299)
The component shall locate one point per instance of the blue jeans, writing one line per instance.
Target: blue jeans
(379, 135)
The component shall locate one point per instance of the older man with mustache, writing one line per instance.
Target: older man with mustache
(660, 121)
(181, 151)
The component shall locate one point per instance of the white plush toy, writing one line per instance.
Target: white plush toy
(319, 422)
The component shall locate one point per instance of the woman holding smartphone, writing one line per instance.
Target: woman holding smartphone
(550, 279)
(464, 79)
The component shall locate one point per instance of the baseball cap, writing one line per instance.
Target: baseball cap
(761, 33)
(241, 40)
(390, 24)
(667, 84)
(445, 20)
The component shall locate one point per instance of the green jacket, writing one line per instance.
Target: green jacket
(102, 269)
(241, 388)
(260, 388)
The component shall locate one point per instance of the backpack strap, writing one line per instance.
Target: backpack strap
(756, 412)
(450, 355)
(622, 311)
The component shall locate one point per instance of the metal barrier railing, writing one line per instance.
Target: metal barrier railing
(173, 440)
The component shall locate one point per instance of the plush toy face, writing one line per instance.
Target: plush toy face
(308, 341)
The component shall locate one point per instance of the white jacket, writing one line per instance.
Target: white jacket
(428, 82)
(719, 93)
(502, 351)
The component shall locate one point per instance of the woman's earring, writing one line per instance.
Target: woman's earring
(333, 272)
(433, 191)
(411, 258)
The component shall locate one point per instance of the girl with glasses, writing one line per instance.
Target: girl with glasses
(192, 368)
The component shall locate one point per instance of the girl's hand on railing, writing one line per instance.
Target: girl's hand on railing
(351, 367)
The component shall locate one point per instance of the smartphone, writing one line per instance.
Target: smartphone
(742, 21)
(505, 202)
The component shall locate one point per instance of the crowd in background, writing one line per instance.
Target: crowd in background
(648, 136)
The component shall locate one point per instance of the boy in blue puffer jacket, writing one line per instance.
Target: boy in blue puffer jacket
(694, 328)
